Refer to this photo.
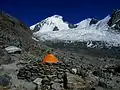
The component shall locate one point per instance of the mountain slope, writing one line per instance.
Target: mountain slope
(88, 34)
(13, 31)
(27, 65)
(15, 34)
(50, 23)
(83, 32)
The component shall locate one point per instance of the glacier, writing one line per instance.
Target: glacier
(84, 32)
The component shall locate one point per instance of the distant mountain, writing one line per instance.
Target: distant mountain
(50, 24)
(54, 28)
(92, 33)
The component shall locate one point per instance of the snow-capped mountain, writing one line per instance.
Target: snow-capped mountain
(53, 23)
(55, 29)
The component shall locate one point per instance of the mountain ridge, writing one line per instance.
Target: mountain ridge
(90, 34)
(98, 72)
(84, 31)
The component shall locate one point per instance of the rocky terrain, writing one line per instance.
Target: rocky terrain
(21, 65)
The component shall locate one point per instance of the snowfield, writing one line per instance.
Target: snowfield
(83, 32)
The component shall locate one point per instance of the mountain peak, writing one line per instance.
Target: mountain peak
(54, 28)
(53, 19)
(48, 24)
(57, 16)
(49, 20)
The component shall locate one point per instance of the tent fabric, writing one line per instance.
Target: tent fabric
(50, 58)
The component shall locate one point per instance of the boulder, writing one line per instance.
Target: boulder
(60, 75)
(38, 81)
(5, 80)
(52, 77)
(75, 82)
(92, 80)
(5, 58)
(46, 81)
(13, 49)
(56, 86)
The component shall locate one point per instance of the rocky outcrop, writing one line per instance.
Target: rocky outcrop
(55, 29)
(13, 32)
(71, 26)
(114, 22)
(53, 76)
(93, 21)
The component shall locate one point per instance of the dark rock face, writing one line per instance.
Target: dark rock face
(37, 28)
(117, 69)
(55, 29)
(114, 22)
(13, 32)
(72, 26)
(93, 21)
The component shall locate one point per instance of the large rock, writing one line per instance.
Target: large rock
(75, 82)
(12, 49)
(38, 81)
(57, 86)
(45, 81)
(5, 58)
(5, 80)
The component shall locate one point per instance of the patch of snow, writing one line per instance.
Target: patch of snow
(84, 24)
(50, 23)
(35, 39)
(33, 26)
(102, 24)
(84, 32)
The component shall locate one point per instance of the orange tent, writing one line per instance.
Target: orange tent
(50, 58)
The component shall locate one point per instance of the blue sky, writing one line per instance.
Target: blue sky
(73, 11)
